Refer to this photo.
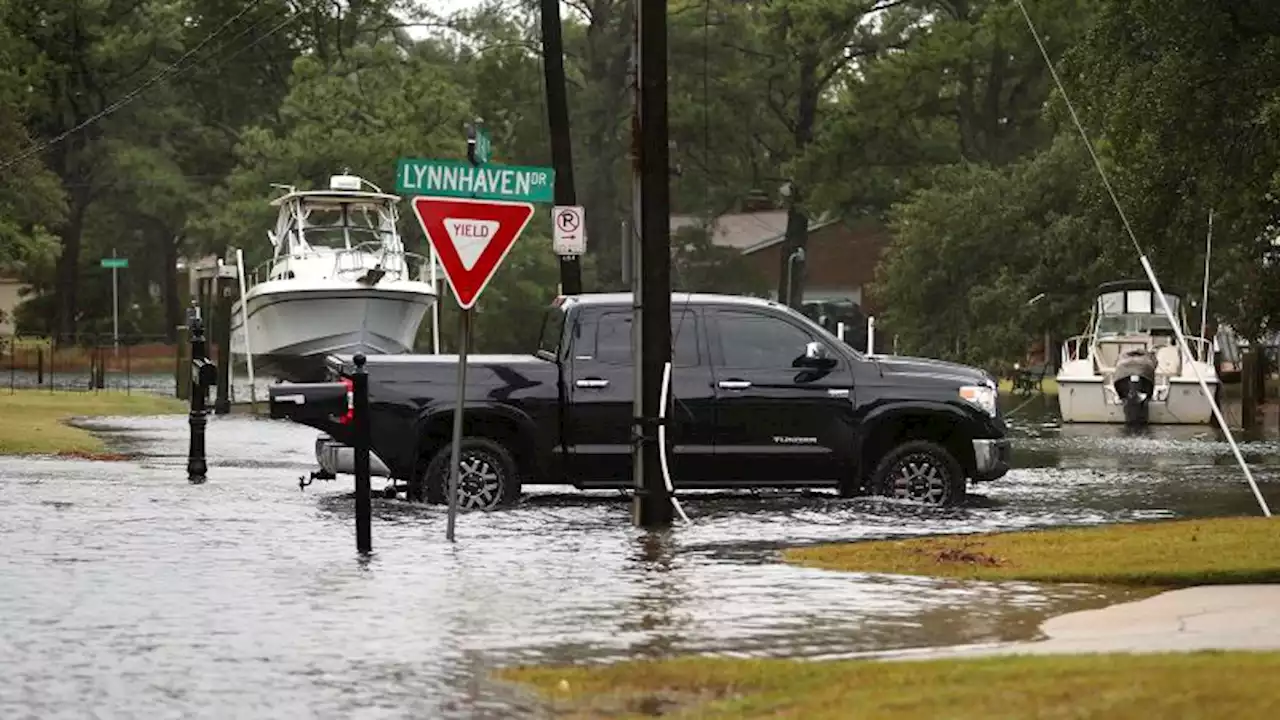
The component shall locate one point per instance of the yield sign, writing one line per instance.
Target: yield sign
(471, 238)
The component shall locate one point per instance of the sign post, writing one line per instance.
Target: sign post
(471, 238)
(115, 263)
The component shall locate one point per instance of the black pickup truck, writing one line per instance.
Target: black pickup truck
(761, 397)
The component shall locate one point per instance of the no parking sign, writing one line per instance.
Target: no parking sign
(570, 232)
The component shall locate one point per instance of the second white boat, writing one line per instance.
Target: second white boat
(1128, 368)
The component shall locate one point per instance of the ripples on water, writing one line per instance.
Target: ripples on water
(126, 591)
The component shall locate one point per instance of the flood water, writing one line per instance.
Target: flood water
(126, 592)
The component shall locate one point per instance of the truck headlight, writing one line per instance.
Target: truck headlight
(980, 395)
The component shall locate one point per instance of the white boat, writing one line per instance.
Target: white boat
(339, 281)
(1127, 367)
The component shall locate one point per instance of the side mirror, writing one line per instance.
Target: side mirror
(303, 402)
(816, 355)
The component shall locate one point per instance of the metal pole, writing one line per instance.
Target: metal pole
(115, 306)
(244, 326)
(197, 468)
(435, 306)
(1204, 296)
(221, 328)
(364, 509)
(652, 503)
(871, 334)
(558, 123)
(464, 339)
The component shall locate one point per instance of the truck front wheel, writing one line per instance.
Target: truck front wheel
(487, 477)
(921, 471)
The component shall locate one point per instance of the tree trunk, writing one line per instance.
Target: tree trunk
(797, 234)
(792, 274)
(69, 267)
(606, 136)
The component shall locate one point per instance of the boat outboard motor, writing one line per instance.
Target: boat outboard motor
(1134, 380)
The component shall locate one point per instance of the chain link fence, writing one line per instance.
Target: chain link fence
(90, 363)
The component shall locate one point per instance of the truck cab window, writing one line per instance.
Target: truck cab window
(757, 341)
(612, 343)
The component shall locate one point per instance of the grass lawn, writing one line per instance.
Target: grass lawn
(1163, 554)
(1226, 685)
(1159, 554)
(1049, 386)
(32, 421)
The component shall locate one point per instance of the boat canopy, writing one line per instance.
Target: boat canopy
(1129, 306)
(335, 219)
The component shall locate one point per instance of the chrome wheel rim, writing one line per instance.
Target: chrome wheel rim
(479, 482)
(919, 477)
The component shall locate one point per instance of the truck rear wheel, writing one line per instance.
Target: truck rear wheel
(921, 471)
(487, 477)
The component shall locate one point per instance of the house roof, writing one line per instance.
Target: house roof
(746, 231)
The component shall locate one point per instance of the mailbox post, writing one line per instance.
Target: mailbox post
(203, 375)
(346, 403)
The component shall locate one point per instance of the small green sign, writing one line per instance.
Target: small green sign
(484, 146)
(450, 178)
(115, 262)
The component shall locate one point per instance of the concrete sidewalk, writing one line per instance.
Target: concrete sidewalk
(1211, 617)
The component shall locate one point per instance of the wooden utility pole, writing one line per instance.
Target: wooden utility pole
(652, 506)
(558, 123)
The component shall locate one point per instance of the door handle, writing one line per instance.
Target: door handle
(735, 384)
(592, 383)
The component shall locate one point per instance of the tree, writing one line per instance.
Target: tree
(800, 49)
(969, 254)
(1185, 94)
(31, 201)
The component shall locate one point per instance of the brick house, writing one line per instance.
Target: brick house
(841, 257)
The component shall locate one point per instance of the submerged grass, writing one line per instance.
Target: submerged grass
(33, 422)
(1210, 684)
(1175, 553)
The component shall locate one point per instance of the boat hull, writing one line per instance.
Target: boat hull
(1089, 401)
(291, 330)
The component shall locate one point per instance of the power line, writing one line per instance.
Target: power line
(171, 69)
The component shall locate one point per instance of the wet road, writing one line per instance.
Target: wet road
(127, 592)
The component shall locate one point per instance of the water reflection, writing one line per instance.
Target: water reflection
(125, 590)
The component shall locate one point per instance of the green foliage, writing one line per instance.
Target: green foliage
(1185, 93)
(30, 200)
(928, 113)
(969, 254)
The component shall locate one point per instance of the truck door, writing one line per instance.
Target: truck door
(602, 392)
(777, 424)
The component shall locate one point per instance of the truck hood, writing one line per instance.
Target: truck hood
(903, 366)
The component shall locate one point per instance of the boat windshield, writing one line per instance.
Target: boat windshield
(1134, 311)
(345, 225)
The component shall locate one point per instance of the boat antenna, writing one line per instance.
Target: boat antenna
(1146, 265)
(1204, 294)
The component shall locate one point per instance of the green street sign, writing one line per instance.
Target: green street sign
(484, 146)
(450, 178)
(115, 262)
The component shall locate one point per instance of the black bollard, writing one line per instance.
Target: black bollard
(363, 438)
(203, 374)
